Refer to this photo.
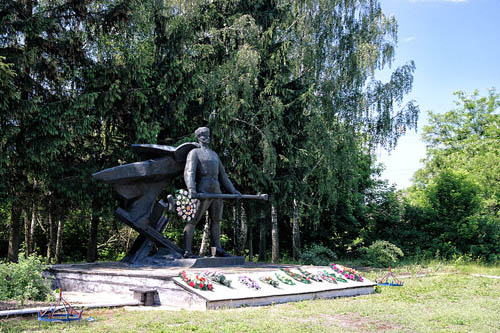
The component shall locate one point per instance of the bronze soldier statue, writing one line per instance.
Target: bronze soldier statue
(204, 173)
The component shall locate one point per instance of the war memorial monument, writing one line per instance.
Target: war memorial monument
(160, 272)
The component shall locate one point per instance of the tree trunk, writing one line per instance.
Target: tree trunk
(51, 248)
(94, 224)
(250, 244)
(34, 218)
(236, 230)
(243, 229)
(262, 237)
(60, 228)
(27, 240)
(205, 240)
(295, 230)
(15, 217)
(274, 235)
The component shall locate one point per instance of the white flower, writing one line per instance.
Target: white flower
(184, 217)
(189, 218)
(179, 197)
(180, 213)
(178, 209)
(185, 192)
(178, 203)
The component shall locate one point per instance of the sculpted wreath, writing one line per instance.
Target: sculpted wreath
(185, 205)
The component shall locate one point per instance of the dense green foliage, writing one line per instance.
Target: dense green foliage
(23, 280)
(381, 254)
(287, 87)
(317, 255)
(453, 208)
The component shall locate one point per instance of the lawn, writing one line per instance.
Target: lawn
(448, 298)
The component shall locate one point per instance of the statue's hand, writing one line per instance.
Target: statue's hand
(237, 193)
(193, 193)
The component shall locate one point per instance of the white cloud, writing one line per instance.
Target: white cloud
(409, 39)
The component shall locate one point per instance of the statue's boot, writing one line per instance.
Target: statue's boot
(221, 253)
(189, 255)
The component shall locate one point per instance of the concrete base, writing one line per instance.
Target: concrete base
(172, 291)
(203, 262)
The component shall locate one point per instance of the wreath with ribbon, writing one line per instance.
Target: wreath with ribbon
(185, 205)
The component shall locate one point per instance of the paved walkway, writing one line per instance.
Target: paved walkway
(80, 299)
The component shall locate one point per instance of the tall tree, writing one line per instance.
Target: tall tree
(468, 139)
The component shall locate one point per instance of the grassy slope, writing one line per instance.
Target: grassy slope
(447, 299)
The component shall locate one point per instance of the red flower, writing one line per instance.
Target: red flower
(191, 284)
(209, 286)
(201, 285)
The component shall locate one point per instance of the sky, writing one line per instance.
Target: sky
(455, 45)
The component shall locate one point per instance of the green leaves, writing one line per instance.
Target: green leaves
(459, 185)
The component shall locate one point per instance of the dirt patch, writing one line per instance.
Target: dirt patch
(359, 323)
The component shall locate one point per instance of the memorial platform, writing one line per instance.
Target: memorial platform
(171, 290)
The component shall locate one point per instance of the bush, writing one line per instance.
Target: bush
(381, 254)
(23, 280)
(317, 255)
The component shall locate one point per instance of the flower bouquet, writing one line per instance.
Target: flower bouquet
(295, 276)
(196, 282)
(217, 277)
(336, 278)
(346, 272)
(270, 280)
(252, 284)
(285, 280)
(185, 205)
(310, 275)
(323, 276)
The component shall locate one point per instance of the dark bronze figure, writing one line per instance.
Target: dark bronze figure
(204, 173)
(140, 183)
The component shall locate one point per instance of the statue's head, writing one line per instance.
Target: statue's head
(203, 135)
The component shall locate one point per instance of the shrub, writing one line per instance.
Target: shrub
(381, 254)
(23, 280)
(317, 255)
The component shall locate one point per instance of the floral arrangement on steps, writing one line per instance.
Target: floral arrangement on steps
(323, 276)
(185, 205)
(217, 277)
(285, 280)
(314, 277)
(270, 280)
(348, 273)
(252, 284)
(196, 282)
(296, 276)
(336, 277)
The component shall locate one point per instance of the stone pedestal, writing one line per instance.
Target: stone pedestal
(169, 289)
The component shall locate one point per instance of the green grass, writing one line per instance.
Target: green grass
(447, 299)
